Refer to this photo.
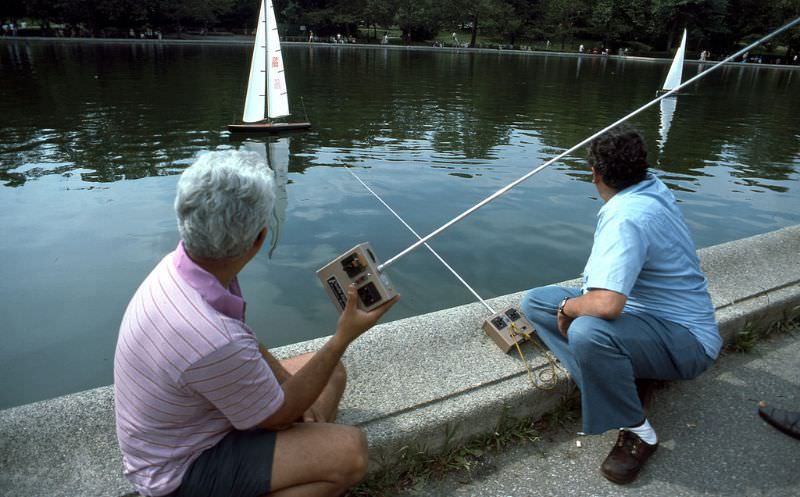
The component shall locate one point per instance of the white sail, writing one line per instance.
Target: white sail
(255, 103)
(676, 69)
(266, 86)
(278, 104)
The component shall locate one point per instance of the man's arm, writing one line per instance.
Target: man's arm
(275, 365)
(597, 302)
(302, 389)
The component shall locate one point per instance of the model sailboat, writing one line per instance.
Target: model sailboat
(267, 98)
(675, 73)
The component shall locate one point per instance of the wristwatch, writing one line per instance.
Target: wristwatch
(561, 307)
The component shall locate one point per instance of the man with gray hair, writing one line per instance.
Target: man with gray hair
(203, 409)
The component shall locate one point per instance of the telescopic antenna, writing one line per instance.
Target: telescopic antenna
(426, 245)
(514, 183)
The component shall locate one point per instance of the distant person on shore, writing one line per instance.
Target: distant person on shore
(310, 36)
(456, 43)
(643, 312)
(581, 48)
(202, 408)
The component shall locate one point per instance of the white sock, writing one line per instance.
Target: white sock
(646, 432)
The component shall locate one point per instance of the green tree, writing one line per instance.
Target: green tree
(419, 19)
(564, 18)
(488, 16)
(705, 20)
(379, 13)
(616, 21)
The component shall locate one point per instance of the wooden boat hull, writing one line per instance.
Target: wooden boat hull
(267, 127)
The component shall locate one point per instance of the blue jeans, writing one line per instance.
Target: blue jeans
(605, 357)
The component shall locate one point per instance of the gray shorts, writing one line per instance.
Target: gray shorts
(240, 465)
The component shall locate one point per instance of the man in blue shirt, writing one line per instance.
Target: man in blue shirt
(643, 313)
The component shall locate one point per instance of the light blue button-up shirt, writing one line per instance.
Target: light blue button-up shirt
(643, 250)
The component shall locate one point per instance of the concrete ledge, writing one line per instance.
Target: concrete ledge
(414, 381)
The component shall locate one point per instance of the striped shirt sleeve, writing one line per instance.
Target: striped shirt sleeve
(237, 380)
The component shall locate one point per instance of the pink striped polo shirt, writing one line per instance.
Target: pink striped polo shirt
(187, 371)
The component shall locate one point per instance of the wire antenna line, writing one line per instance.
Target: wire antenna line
(514, 183)
(426, 245)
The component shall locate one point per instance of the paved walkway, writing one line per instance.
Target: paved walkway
(712, 441)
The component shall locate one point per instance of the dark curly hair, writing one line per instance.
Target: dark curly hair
(619, 156)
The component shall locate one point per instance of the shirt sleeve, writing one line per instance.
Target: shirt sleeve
(618, 255)
(237, 380)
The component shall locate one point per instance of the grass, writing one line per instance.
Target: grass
(745, 340)
(413, 466)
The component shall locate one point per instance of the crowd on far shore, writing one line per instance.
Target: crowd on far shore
(10, 29)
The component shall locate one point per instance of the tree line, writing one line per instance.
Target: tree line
(643, 25)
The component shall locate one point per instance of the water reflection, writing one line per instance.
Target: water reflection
(667, 108)
(275, 153)
(129, 112)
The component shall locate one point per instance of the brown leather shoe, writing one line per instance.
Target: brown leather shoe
(627, 457)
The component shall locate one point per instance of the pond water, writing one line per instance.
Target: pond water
(92, 137)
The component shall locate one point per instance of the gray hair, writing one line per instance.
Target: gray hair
(223, 201)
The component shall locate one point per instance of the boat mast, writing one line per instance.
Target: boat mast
(266, 59)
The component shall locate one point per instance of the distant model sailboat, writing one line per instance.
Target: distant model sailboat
(669, 104)
(267, 98)
(675, 73)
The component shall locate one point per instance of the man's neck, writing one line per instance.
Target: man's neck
(605, 192)
(224, 270)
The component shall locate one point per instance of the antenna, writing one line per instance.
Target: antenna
(514, 183)
(507, 328)
(436, 254)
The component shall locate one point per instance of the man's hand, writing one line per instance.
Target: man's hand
(354, 321)
(597, 302)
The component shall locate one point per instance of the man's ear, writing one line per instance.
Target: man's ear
(262, 236)
(595, 176)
